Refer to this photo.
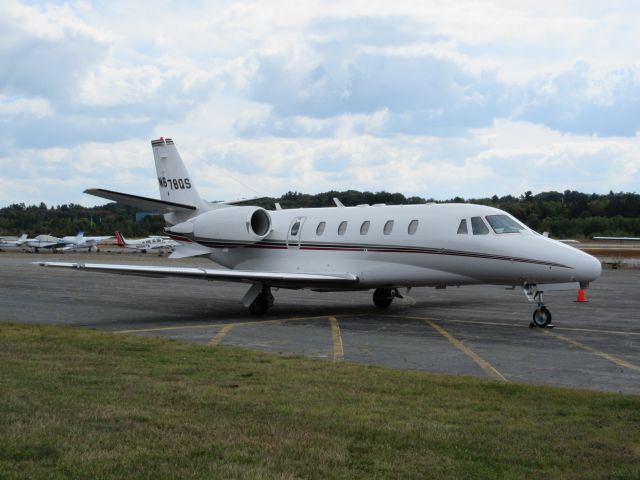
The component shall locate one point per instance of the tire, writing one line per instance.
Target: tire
(382, 297)
(541, 317)
(260, 305)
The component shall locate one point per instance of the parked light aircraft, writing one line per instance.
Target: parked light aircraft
(80, 242)
(65, 244)
(42, 241)
(146, 244)
(6, 242)
(377, 247)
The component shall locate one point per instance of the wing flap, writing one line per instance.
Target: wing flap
(284, 279)
(143, 203)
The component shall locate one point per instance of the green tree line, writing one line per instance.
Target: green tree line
(568, 214)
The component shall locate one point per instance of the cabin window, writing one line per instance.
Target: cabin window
(388, 227)
(478, 226)
(295, 228)
(364, 228)
(504, 224)
(342, 228)
(320, 228)
(462, 228)
(413, 227)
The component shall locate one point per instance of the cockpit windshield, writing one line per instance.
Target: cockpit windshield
(504, 224)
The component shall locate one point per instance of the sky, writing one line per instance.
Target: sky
(430, 98)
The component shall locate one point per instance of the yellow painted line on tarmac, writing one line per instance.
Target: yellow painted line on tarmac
(482, 363)
(472, 322)
(519, 325)
(165, 329)
(338, 351)
(611, 358)
(223, 331)
(597, 330)
(214, 325)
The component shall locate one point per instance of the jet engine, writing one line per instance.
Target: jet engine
(227, 225)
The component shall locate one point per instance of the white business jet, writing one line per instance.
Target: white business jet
(384, 248)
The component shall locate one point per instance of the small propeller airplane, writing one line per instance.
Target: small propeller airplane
(6, 242)
(378, 247)
(65, 244)
(145, 244)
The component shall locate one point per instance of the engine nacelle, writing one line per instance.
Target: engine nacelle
(227, 225)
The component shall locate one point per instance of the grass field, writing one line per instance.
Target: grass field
(77, 403)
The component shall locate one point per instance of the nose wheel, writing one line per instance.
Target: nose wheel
(541, 315)
(541, 318)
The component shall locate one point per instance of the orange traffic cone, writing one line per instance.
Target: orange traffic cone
(582, 296)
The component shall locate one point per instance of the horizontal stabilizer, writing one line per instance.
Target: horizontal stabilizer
(143, 203)
(240, 201)
(276, 279)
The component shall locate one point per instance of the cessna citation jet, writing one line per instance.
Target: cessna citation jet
(384, 248)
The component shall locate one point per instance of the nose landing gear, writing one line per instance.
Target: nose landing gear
(541, 315)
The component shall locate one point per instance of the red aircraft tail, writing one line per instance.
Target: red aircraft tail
(120, 239)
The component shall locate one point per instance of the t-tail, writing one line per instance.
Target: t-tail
(179, 198)
(174, 181)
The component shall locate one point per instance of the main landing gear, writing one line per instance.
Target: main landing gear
(259, 299)
(541, 315)
(382, 297)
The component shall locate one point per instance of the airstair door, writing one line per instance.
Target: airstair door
(295, 232)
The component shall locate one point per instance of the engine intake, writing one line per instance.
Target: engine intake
(227, 225)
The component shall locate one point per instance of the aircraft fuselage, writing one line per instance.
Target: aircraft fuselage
(429, 252)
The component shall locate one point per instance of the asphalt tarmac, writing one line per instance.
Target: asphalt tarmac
(481, 331)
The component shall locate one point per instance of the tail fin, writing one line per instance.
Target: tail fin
(120, 240)
(176, 185)
(22, 238)
(78, 238)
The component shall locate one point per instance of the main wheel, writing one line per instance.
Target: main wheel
(261, 304)
(541, 317)
(382, 297)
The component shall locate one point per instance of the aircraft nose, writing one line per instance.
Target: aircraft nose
(588, 268)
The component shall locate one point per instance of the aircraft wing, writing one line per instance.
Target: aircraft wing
(97, 239)
(143, 203)
(276, 279)
(622, 239)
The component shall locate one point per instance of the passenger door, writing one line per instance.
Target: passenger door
(295, 231)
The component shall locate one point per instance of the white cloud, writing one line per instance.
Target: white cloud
(45, 50)
(37, 107)
(437, 99)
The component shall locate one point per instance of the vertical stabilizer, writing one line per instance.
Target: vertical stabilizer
(120, 240)
(174, 181)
